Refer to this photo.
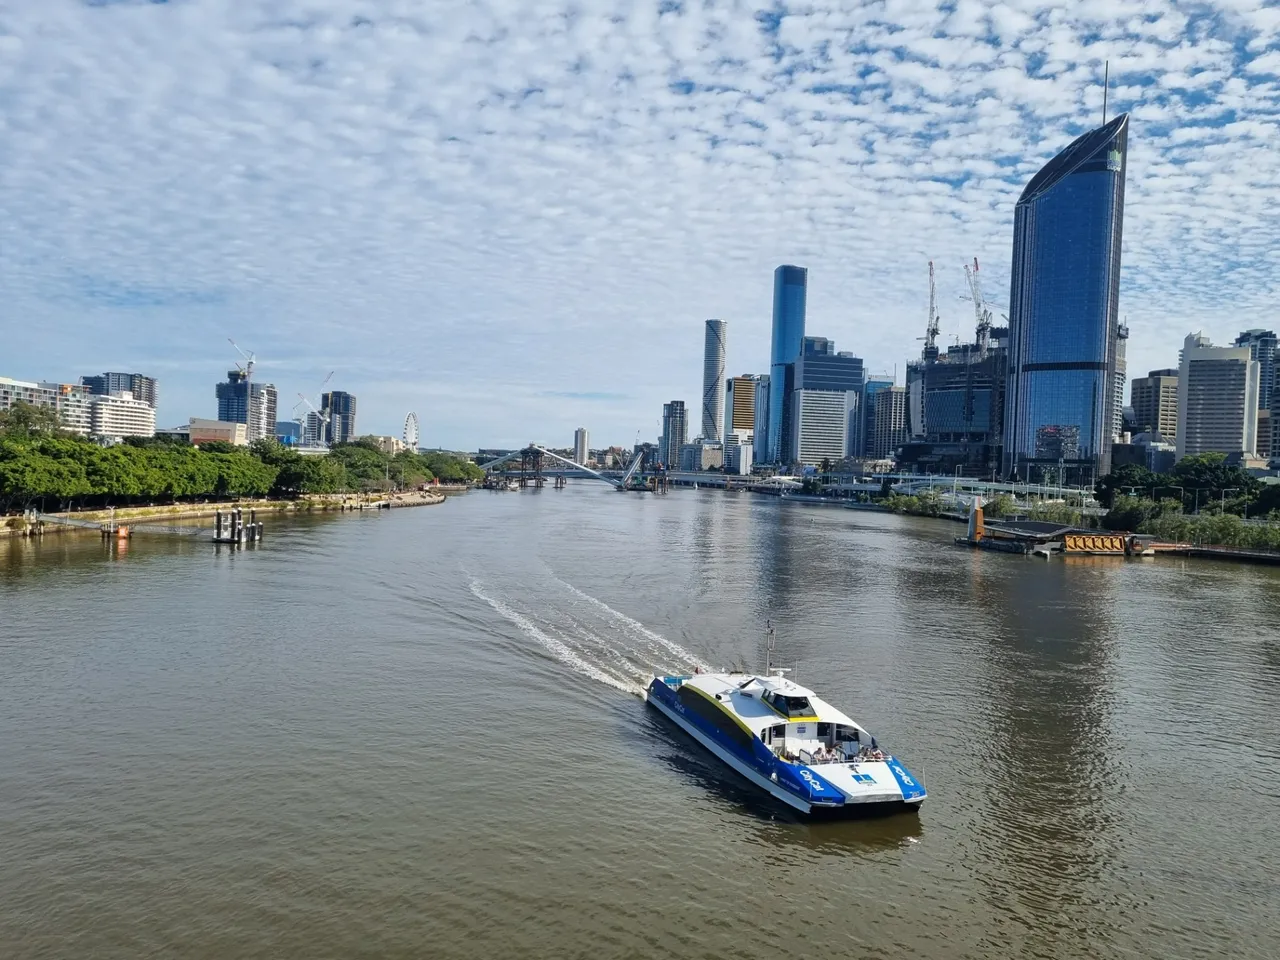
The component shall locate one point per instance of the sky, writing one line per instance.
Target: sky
(513, 217)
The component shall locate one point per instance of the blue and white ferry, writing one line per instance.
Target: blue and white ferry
(788, 742)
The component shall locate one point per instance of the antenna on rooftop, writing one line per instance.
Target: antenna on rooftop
(1106, 78)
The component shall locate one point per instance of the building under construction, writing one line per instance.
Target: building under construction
(955, 398)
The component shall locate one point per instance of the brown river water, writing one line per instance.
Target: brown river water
(417, 734)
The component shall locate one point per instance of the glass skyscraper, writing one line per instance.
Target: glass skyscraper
(790, 286)
(1063, 321)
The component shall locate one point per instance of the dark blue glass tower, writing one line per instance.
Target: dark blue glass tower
(1063, 321)
(790, 284)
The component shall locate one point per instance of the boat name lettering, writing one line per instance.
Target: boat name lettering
(813, 781)
(902, 775)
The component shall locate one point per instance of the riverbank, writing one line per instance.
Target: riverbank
(86, 521)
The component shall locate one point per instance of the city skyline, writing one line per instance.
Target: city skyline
(154, 214)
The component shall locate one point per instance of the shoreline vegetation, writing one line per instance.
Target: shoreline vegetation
(43, 468)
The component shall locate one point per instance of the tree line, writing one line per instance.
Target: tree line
(1201, 485)
(43, 466)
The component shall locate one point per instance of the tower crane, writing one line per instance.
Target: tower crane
(931, 331)
(320, 419)
(979, 308)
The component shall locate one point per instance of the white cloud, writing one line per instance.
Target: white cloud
(483, 210)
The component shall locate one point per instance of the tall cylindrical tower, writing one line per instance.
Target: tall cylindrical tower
(713, 380)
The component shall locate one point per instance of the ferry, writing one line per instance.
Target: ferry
(788, 742)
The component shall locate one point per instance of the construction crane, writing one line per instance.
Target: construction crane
(931, 331)
(979, 308)
(320, 419)
(249, 360)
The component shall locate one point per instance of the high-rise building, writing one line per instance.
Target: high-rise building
(819, 368)
(314, 429)
(760, 424)
(142, 388)
(890, 425)
(1262, 346)
(740, 406)
(675, 433)
(249, 402)
(1155, 403)
(1217, 399)
(790, 289)
(580, 449)
(1063, 319)
(865, 422)
(821, 428)
(955, 408)
(120, 415)
(713, 352)
(338, 408)
(74, 403)
(1118, 381)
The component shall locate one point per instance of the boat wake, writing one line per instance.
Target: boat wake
(588, 636)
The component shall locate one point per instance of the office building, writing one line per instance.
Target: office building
(580, 449)
(760, 422)
(1262, 346)
(701, 455)
(737, 454)
(1265, 432)
(675, 433)
(249, 402)
(821, 427)
(105, 384)
(889, 431)
(74, 404)
(1155, 403)
(206, 431)
(740, 405)
(1063, 319)
(955, 409)
(790, 289)
(821, 369)
(1148, 450)
(119, 415)
(338, 409)
(1217, 399)
(1118, 380)
(865, 421)
(713, 352)
(289, 432)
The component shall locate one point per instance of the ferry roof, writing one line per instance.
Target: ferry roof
(741, 693)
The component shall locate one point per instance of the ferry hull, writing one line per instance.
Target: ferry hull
(752, 770)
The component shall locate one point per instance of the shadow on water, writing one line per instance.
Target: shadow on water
(777, 825)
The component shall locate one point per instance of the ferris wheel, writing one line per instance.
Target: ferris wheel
(411, 431)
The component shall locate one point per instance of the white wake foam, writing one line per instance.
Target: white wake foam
(557, 647)
(639, 630)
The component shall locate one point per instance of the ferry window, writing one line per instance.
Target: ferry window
(824, 731)
(714, 716)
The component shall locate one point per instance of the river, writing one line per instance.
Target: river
(417, 733)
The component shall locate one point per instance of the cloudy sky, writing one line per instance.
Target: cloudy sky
(512, 217)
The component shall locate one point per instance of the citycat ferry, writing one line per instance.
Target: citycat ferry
(788, 742)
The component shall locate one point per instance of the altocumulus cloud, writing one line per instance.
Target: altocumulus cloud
(513, 216)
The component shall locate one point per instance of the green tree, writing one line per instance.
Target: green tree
(24, 419)
(1133, 475)
(1002, 505)
(1206, 476)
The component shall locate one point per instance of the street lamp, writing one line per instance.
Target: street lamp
(954, 481)
(1223, 507)
(1182, 490)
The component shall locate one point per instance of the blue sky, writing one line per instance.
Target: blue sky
(512, 217)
